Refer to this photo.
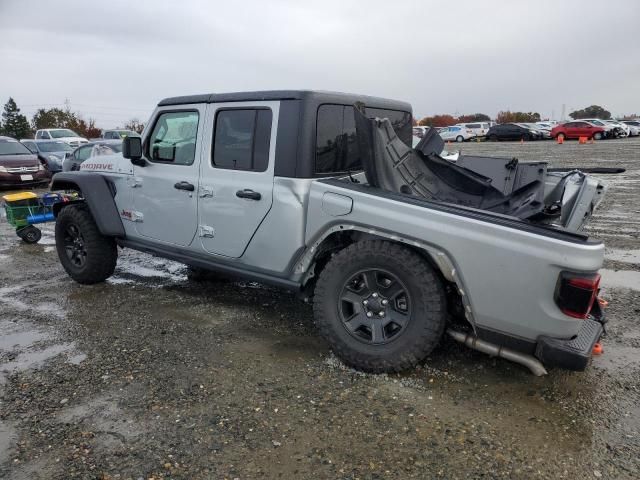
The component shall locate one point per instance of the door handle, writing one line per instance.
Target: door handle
(250, 194)
(184, 186)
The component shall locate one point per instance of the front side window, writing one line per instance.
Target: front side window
(336, 140)
(241, 139)
(173, 138)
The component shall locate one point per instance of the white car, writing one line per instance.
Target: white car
(480, 129)
(63, 134)
(456, 134)
(624, 127)
(634, 127)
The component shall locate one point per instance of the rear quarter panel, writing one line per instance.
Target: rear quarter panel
(507, 275)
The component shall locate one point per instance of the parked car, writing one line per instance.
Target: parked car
(118, 134)
(634, 127)
(384, 286)
(50, 152)
(621, 125)
(73, 161)
(63, 134)
(540, 132)
(456, 134)
(511, 131)
(479, 129)
(578, 129)
(611, 131)
(18, 166)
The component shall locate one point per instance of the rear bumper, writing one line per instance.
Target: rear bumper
(574, 353)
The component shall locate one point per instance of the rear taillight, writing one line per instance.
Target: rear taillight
(576, 293)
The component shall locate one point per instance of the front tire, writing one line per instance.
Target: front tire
(597, 136)
(459, 139)
(380, 306)
(87, 256)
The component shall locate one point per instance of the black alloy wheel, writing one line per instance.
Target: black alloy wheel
(74, 246)
(375, 306)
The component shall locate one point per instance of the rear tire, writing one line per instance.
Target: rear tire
(398, 288)
(87, 256)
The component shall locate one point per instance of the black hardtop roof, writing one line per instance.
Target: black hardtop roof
(309, 95)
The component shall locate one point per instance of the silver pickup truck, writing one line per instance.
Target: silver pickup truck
(321, 193)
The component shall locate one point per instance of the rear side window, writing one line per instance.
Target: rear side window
(473, 125)
(336, 141)
(241, 139)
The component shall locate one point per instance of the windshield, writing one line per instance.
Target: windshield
(13, 147)
(63, 132)
(127, 133)
(54, 147)
(597, 122)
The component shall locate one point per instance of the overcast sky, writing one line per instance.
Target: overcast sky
(115, 59)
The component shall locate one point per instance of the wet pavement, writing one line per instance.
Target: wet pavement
(150, 375)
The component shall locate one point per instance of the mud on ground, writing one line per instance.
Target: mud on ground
(152, 376)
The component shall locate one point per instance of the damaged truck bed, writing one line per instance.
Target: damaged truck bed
(528, 191)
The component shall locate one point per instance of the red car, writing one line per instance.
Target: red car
(577, 129)
(19, 167)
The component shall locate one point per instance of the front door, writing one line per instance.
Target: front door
(236, 175)
(165, 190)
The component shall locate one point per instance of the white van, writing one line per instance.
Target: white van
(478, 128)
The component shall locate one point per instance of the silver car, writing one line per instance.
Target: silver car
(50, 152)
(94, 149)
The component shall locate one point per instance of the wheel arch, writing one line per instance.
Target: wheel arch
(340, 236)
(97, 193)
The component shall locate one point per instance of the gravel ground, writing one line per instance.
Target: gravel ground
(152, 376)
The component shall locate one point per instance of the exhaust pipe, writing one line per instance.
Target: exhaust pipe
(529, 361)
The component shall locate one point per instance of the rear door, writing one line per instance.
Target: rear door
(236, 175)
(164, 191)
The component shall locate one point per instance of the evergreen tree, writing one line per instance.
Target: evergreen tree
(14, 124)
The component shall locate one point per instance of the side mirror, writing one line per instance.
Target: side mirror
(132, 149)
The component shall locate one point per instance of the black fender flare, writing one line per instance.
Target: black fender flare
(97, 193)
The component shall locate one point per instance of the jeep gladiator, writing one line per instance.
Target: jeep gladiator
(321, 193)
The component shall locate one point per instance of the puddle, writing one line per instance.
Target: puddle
(14, 339)
(44, 308)
(620, 279)
(626, 256)
(29, 360)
